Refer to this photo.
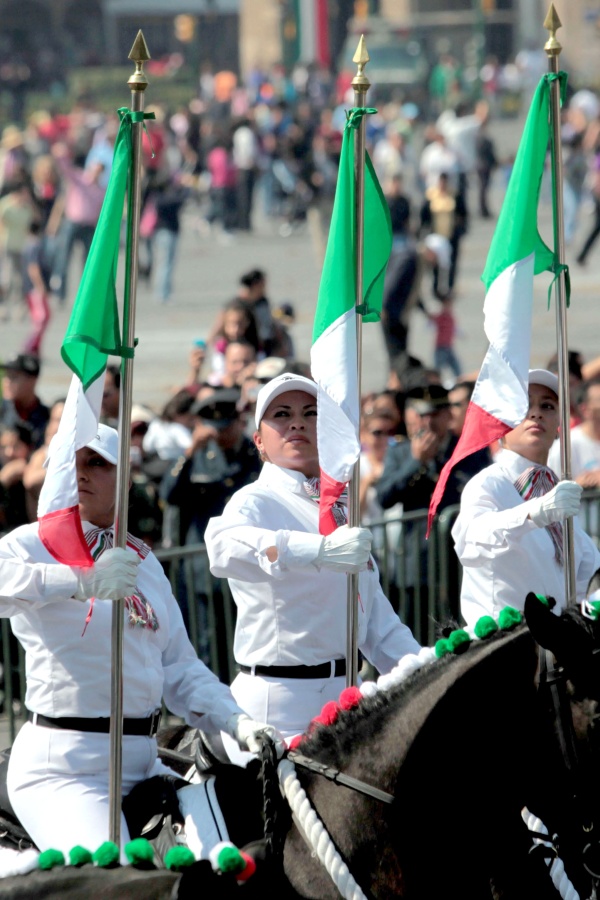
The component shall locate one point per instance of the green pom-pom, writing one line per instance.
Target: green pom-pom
(49, 859)
(543, 599)
(139, 852)
(178, 858)
(458, 641)
(231, 860)
(441, 648)
(485, 627)
(509, 618)
(107, 855)
(79, 856)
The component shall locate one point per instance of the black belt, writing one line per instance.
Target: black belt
(324, 670)
(131, 727)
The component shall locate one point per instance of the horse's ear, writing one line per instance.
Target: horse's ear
(567, 639)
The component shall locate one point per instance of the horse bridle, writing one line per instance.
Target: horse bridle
(554, 678)
(338, 777)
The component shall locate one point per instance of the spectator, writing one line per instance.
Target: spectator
(252, 290)
(585, 439)
(17, 211)
(20, 403)
(36, 282)
(83, 199)
(109, 411)
(444, 356)
(15, 449)
(168, 197)
(239, 361)
(238, 324)
(35, 471)
(444, 213)
(220, 459)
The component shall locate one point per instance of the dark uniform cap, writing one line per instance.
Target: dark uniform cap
(428, 399)
(23, 362)
(220, 409)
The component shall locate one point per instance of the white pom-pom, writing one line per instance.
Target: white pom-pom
(368, 688)
(17, 862)
(427, 654)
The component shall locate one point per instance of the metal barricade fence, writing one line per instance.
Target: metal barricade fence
(420, 577)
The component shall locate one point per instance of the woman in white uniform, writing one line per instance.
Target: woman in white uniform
(288, 581)
(58, 772)
(508, 534)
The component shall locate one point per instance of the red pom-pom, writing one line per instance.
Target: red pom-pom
(329, 713)
(295, 742)
(249, 870)
(350, 697)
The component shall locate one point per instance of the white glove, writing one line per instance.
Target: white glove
(562, 501)
(345, 550)
(113, 576)
(245, 731)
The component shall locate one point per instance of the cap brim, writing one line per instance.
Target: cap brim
(98, 448)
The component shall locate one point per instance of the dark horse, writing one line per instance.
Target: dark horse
(462, 745)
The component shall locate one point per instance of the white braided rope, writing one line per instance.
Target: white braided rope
(316, 833)
(560, 879)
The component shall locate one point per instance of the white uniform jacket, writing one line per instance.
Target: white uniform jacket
(290, 612)
(503, 553)
(69, 672)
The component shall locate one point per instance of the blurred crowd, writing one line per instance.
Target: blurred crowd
(268, 148)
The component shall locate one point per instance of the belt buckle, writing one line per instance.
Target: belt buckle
(155, 722)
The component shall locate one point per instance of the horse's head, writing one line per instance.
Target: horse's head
(573, 639)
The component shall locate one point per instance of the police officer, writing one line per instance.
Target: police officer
(220, 460)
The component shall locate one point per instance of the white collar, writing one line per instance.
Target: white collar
(513, 463)
(278, 477)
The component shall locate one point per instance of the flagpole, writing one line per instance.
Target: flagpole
(361, 85)
(138, 83)
(553, 48)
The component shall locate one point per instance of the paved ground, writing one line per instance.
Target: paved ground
(207, 274)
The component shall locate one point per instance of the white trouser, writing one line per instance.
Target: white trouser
(58, 784)
(287, 703)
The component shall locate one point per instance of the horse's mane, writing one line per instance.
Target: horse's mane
(417, 695)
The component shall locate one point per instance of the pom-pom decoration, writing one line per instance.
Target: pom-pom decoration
(107, 855)
(50, 859)
(294, 743)
(485, 627)
(79, 856)
(441, 647)
(509, 617)
(140, 853)
(350, 697)
(458, 641)
(543, 599)
(249, 870)
(329, 713)
(178, 858)
(225, 857)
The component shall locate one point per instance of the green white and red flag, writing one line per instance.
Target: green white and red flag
(334, 361)
(92, 335)
(500, 399)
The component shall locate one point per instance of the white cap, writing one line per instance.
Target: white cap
(106, 443)
(441, 247)
(281, 385)
(543, 376)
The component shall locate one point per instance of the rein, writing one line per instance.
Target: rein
(553, 679)
(348, 781)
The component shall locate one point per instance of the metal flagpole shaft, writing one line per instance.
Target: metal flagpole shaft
(553, 48)
(138, 83)
(361, 85)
